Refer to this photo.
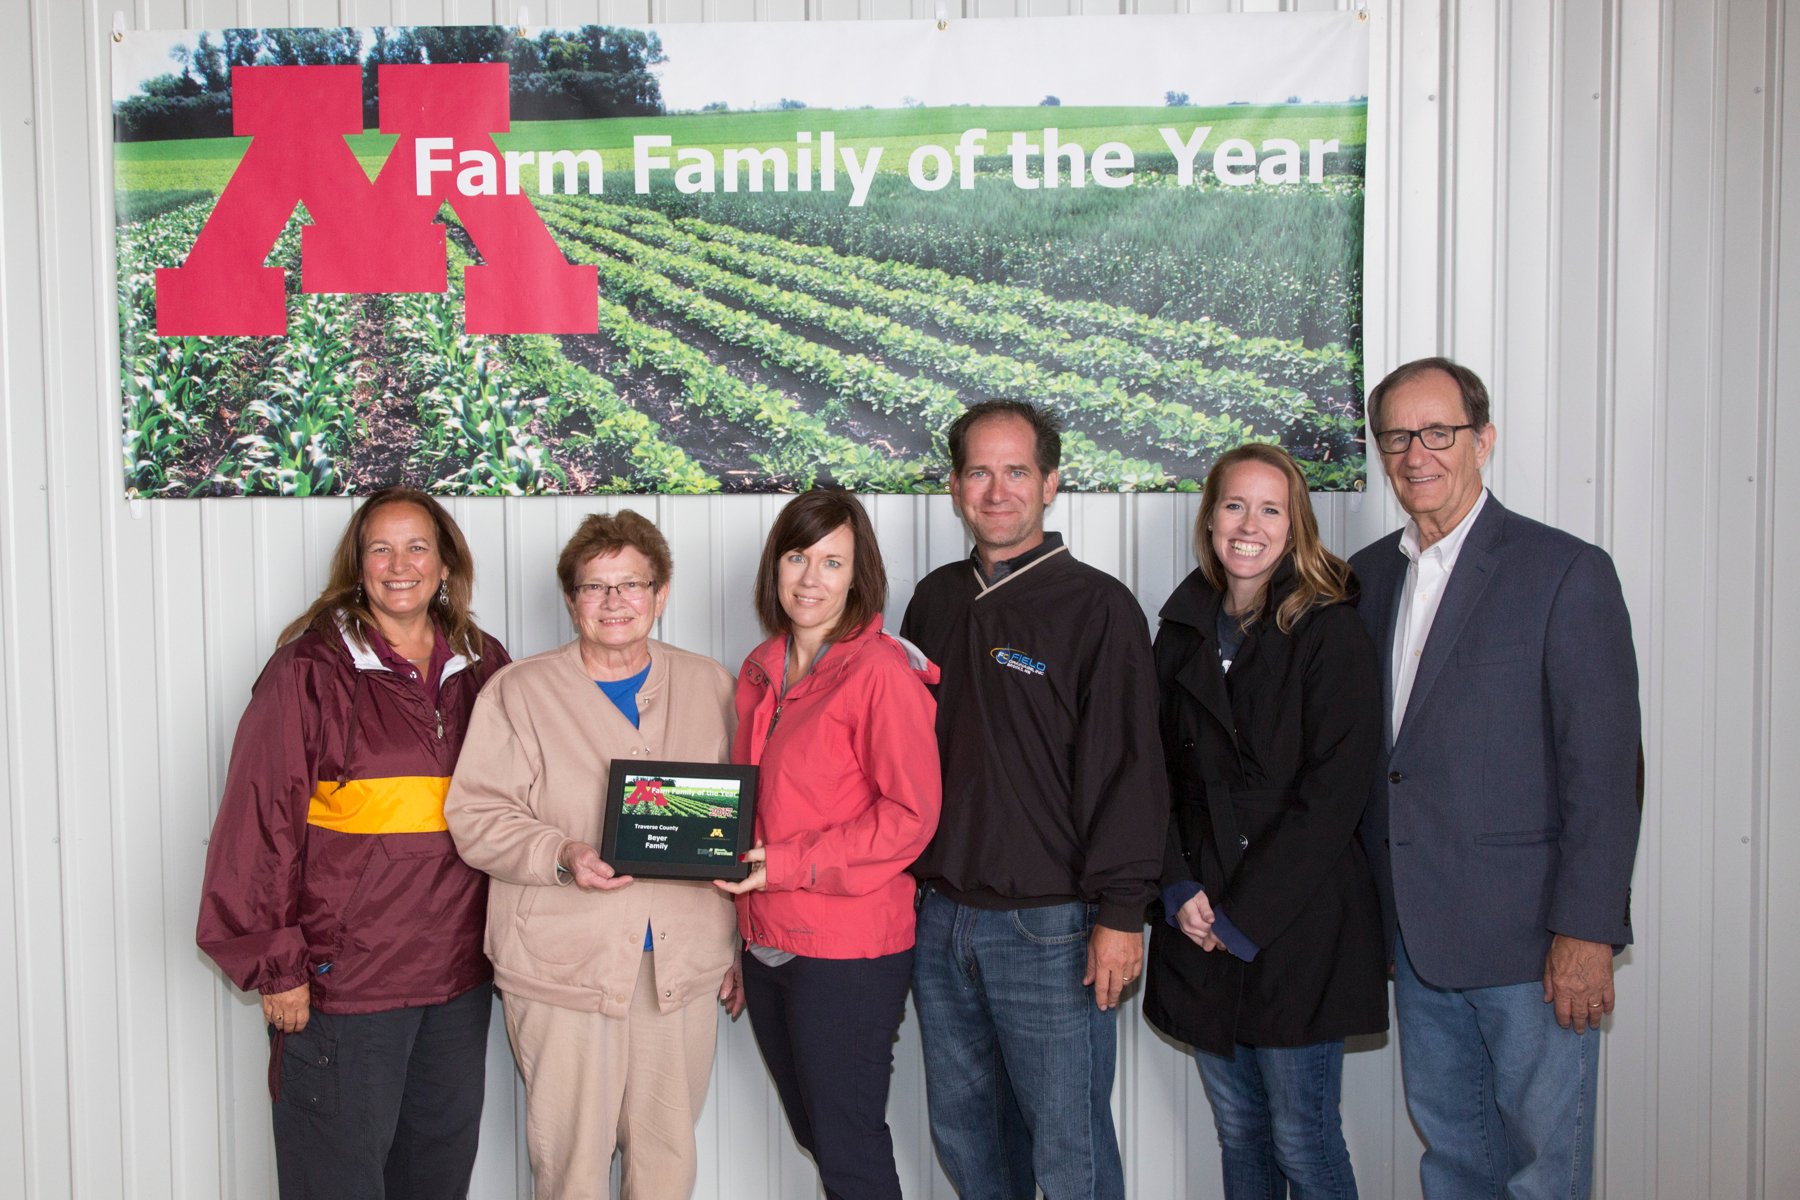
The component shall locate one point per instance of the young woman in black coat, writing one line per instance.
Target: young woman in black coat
(1270, 952)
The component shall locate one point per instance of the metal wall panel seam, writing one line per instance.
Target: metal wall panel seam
(1764, 733)
(1777, 1170)
(1608, 331)
(20, 375)
(1743, 271)
(39, 1045)
(1553, 226)
(1636, 391)
(1499, 245)
(148, 974)
(1444, 97)
(1691, 1166)
(87, 917)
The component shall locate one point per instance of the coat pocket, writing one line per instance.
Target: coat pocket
(309, 1068)
(1521, 837)
(562, 926)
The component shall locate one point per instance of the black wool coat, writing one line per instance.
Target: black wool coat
(1269, 769)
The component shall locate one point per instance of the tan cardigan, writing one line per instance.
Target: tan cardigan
(533, 770)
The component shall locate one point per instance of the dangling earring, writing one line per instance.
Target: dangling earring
(444, 593)
(359, 595)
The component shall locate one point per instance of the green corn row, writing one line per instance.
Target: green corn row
(1083, 402)
(850, 377)
(1266, 381)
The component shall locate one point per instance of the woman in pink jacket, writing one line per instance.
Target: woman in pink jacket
(836, 715)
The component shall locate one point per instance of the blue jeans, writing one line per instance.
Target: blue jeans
(1018, 1058)
(1502, 1095)
(1276, 1110)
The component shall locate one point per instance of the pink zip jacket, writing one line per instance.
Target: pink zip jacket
(847, 796)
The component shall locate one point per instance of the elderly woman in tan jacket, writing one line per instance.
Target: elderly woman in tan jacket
(607, 982)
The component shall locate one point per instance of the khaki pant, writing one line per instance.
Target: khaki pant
(595, 1083)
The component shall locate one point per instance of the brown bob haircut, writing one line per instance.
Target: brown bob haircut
(608, 533)
(1320, 577)
(1477, 409)
(809, 517)
(343, 600)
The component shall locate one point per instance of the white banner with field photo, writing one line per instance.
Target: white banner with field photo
(739, 258)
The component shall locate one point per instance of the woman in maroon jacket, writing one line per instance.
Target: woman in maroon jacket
(835, 714)
(332, 886)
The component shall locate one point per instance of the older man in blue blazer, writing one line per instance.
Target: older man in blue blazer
(1504, 820)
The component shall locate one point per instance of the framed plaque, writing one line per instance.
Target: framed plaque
(678, 820)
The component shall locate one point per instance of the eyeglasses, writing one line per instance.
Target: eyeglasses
(631, 590)
(1435, 437)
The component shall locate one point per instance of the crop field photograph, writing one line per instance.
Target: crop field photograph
(677, 821)
(652, 795)
(809, 256)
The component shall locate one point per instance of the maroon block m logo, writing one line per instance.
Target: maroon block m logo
(368, 237)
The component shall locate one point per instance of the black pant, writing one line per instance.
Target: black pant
(826, 1029)
(382, 1106)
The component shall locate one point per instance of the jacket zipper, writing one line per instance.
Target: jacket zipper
(773, 721)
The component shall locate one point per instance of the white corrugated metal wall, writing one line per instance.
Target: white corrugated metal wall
(1587, 200)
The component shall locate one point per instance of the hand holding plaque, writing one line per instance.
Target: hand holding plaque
(758, 878)
(679, 820)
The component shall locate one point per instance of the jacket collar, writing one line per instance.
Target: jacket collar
(652, 713)
(1049, 548)
(1476, 565)
(364, 658)
(766, 663)
(1196, 603)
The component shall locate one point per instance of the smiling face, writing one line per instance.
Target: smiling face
(813, 584)
(1251, 528)
(605, 618)
(1437, 488)
(1000, 493)
(401, 566)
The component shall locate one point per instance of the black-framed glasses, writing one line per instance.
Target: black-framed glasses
(630, 590)
(1435, 437)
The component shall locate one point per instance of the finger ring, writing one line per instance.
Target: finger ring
(1594, 1004)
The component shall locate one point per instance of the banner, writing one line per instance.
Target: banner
(735, 257)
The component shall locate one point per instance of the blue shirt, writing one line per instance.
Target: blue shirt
(624, 693)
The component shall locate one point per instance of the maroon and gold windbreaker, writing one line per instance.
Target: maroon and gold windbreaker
(330, 862)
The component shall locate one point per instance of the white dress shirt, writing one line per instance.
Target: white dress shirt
(1427, 575)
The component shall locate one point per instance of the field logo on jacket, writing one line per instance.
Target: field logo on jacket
(1018, 660)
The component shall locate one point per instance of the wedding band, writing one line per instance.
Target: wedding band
(1594, 1004)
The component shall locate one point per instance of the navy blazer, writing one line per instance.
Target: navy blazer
(1505, 812)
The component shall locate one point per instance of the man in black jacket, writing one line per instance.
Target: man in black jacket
(1050, 844)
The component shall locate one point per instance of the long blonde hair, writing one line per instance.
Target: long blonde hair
(1320, 577)
(343, 596)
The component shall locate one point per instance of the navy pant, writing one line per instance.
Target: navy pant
(382, 1106)
(826, 1030)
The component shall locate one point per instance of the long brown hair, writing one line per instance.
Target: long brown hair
(343, 600)
(809, 517)
(1320, 577)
